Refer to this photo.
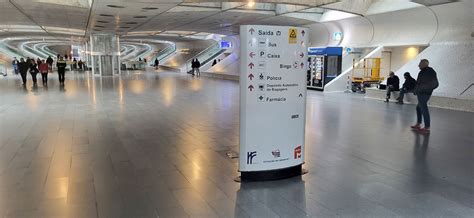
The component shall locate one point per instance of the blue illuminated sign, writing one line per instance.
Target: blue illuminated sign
(225, 44)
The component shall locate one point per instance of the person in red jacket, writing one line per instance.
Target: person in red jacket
(43, 68)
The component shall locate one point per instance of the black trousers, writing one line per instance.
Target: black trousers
(45, 78)
(33, 76)
(23, 78)
(61, 76)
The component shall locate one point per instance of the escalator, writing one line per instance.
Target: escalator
(206, 56)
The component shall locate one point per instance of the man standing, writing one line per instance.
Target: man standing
(393, 84)
(408, 86)
(61, 65)
(426, 82)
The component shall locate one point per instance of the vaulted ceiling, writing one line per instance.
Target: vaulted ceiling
(172, 19)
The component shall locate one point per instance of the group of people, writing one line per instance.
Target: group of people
(195, 65)
(22, 67)
(393, 84)
(422, 87)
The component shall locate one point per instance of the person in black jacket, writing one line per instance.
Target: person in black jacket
(23, 67)
(34, 71)
(426, 82)
(408, 86)
(61, 65)
(393, 84)
(50, 61)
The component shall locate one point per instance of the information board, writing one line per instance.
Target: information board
(272, 97)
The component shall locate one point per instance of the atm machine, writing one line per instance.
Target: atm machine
(324, 65)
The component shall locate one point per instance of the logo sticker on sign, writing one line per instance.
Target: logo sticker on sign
(297, 152)
(250, 156)
(292, 36)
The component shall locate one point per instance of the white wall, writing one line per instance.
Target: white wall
(453, 63)
(447, 29)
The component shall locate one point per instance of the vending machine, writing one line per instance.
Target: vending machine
(324, 65)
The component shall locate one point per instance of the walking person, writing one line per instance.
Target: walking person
(198, 65)
(80, 64)
(23, 67)
(61, 65)
(50, 61)
(393, 84)
(44, 68)
(193, 66)
(15, 63)
(157, 62)
(426, 82)
(34, 71)
(408, 86)
(74, 64)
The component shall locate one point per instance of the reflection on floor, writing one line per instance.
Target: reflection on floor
(148, 145)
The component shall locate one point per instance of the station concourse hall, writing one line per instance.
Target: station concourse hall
(242, 108)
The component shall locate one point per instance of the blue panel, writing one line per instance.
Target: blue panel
(334, 51)
(226, 44)
(316, 51)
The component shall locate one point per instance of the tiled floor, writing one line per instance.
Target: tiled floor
(148, 145)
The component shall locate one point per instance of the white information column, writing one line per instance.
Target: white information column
(272, 101)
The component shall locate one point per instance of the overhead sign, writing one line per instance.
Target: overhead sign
(272, 97)
(225, 44)
(325, 51)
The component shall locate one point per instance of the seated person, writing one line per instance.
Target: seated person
(408, 86)
(393, 84)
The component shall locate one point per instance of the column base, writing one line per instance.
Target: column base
(252, 176)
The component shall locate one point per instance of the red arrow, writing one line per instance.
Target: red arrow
(251, 76)
(251, 65)
(251, 54)
(251, 31)
(251, 87)
(302, 32)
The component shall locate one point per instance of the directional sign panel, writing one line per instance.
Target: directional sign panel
(272, 97)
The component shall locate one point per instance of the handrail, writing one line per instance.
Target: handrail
(472, 84)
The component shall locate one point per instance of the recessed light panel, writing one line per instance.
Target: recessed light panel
(115, 6)
(140, 17)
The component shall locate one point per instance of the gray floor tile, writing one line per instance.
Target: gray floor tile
(153, 144)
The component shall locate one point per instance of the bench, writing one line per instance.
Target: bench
(435, 101)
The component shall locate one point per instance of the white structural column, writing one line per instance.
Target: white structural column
(105, 54)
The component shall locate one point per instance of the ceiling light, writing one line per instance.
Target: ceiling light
(124, 27)
(131, 23)
(106, 15)
(99, 26)
(149, 8)
(140, 17)
(102, 21)
(115, 6)
(251, 4)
